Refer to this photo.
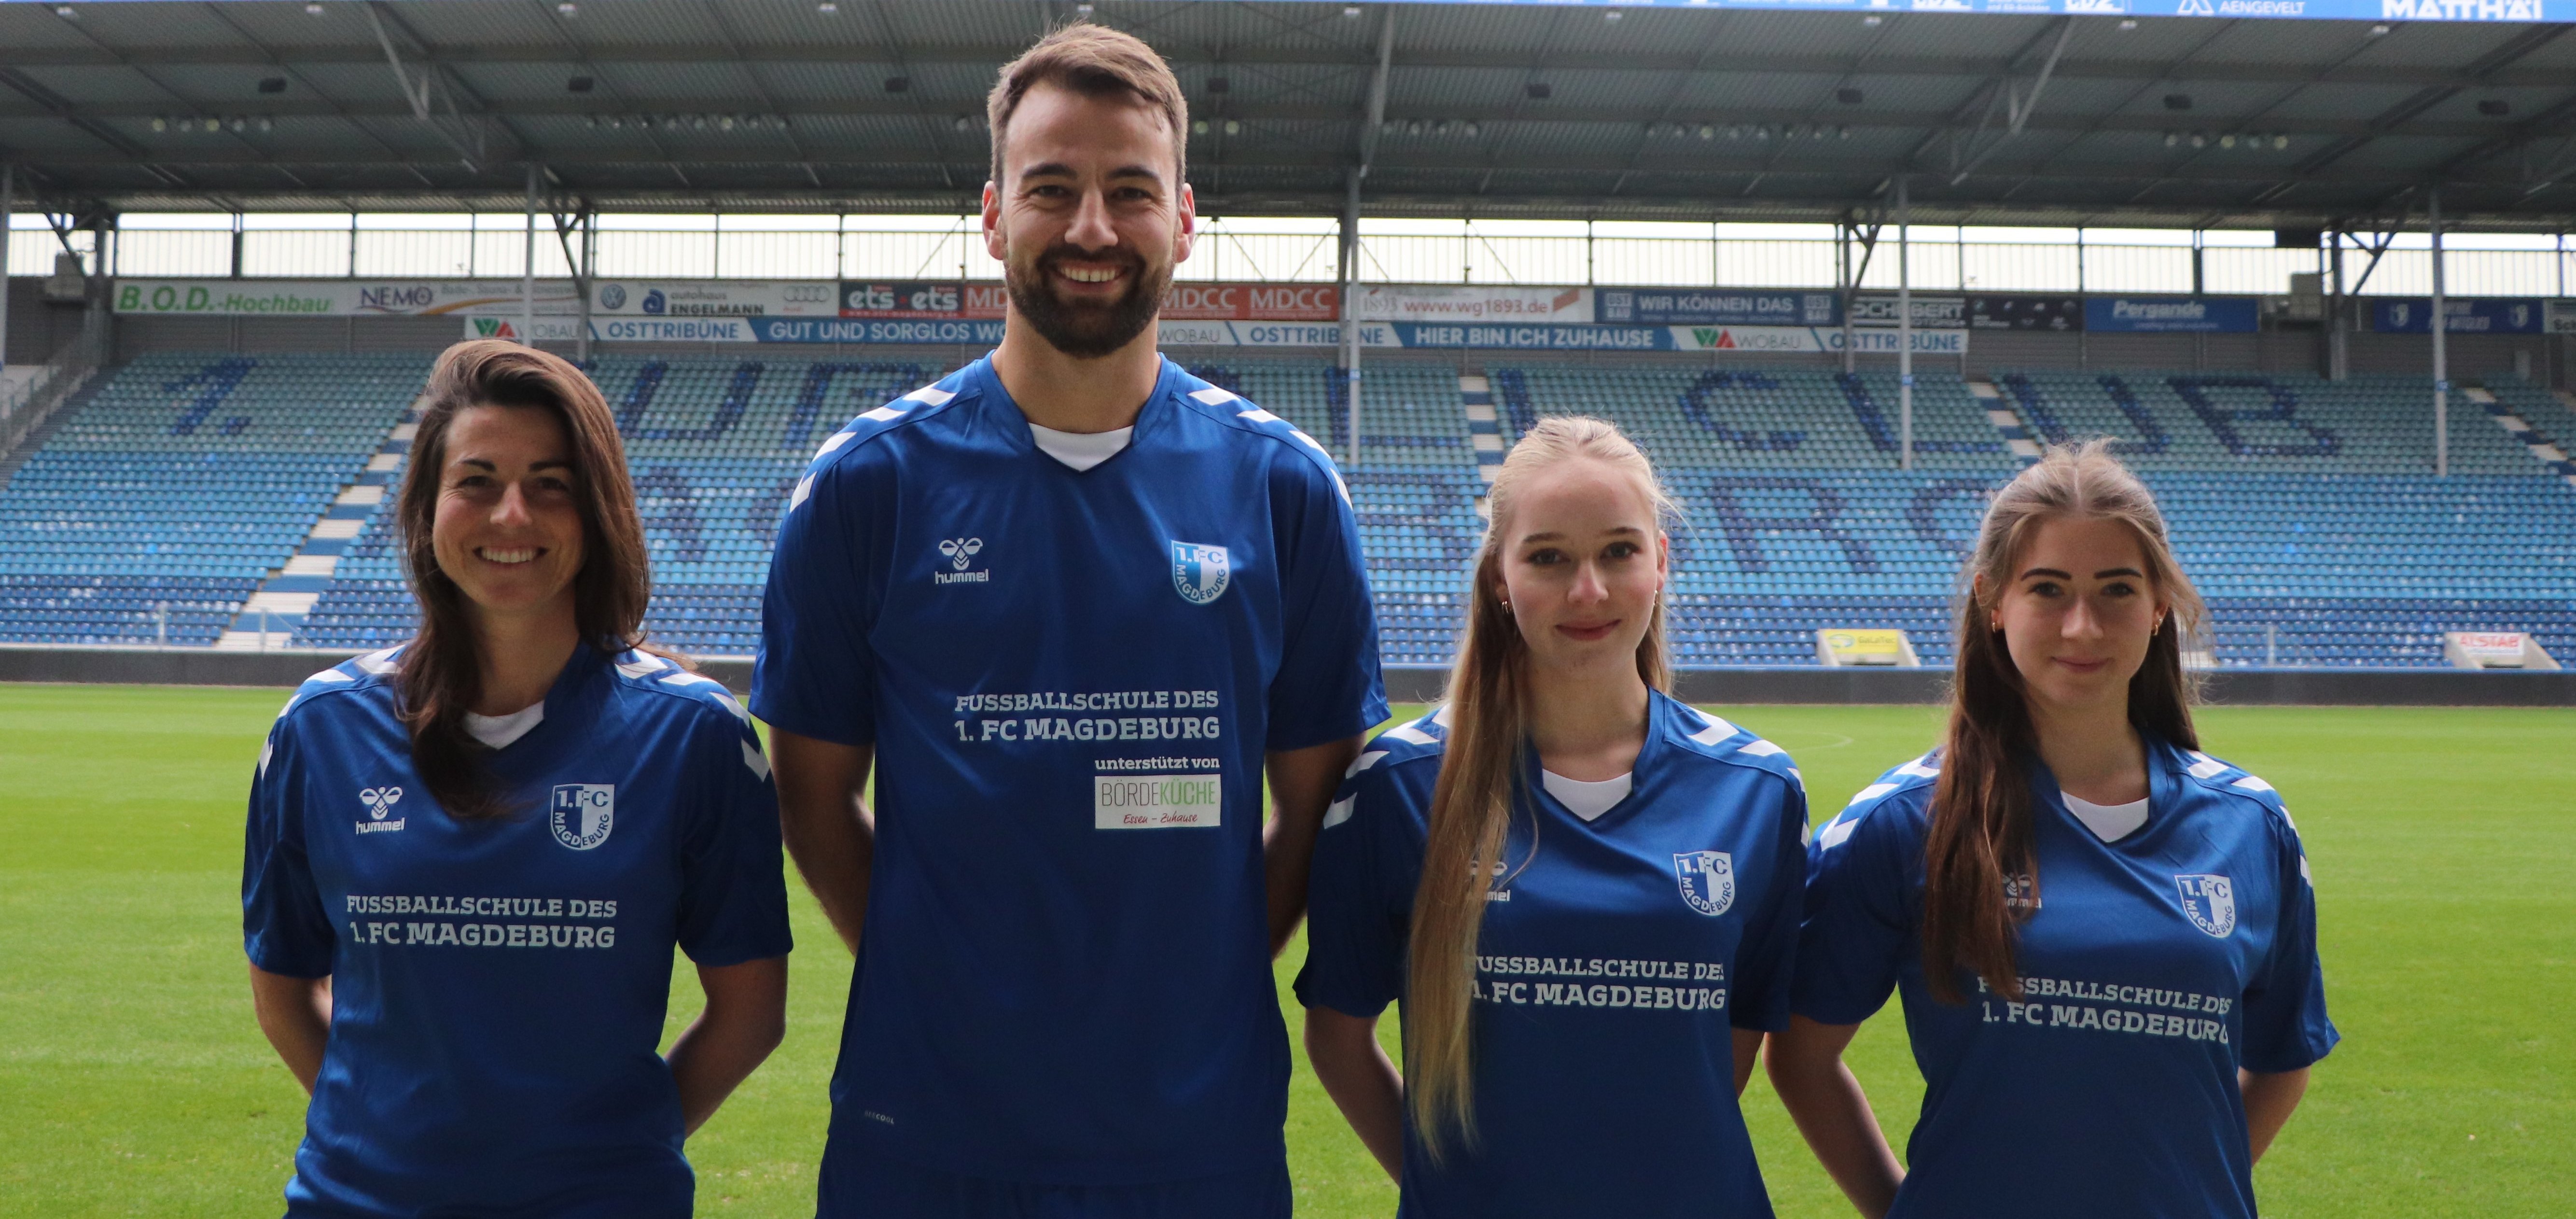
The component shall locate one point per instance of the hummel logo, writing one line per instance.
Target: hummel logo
(961, 553)
(379, 801)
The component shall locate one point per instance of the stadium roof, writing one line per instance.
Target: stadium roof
(1560, 111)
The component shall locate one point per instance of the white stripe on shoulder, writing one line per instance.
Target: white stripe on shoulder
(2203, 765)
(1717, 730)
(378, 662)
(1872, 792)
(644, 662)
(930, 395)
(1413, 735)
(752, 758)
(265, 749)
(1340, 811)
(1760, 748)
(886, 414)
(1917, 769)
(1837, 832)
(804, 490)
(833, 441)
(1256, 414)
(2252, 784)
(334, 676)
(1441, 716)
(1213, 395)
(2303, 872)
(1364, 761)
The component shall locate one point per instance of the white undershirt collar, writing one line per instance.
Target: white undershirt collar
(1587, 800)
(498, 731)
(1081, 450)
(2109, 822)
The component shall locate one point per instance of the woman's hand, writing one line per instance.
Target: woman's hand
(1362, 1081)
(746, 1018)
(1825, 1099)
(295, 1013)
(2270, 1097)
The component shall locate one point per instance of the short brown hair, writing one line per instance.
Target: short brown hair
(441, 674)
(1094, 61)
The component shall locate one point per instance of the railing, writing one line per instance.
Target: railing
(27, 405)
(1276, 250)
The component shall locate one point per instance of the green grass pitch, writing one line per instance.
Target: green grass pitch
(133, 1081)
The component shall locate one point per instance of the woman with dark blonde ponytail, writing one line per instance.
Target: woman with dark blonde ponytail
(1584, 893)
(2104, 937)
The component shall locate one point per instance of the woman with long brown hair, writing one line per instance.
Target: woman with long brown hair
(1584, 893)
(2104, 937)
(470, 857)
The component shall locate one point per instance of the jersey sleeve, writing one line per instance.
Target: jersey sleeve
(816, 676)
(1856, 927)
(1765, 956)
(285, 930)
(1359, 897)
(733, 888)
(2285, 1010)
(1328, 686)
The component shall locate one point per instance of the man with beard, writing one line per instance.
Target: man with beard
(1071, 603)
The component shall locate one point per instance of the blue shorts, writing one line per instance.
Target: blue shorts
(860, 1185)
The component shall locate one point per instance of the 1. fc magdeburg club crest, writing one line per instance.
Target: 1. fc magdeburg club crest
(582, 814)
(1200, 573)
(2209, 901)
(1707, 879)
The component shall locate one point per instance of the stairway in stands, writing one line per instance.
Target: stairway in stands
(273, 614)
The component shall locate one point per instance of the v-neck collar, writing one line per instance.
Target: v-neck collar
(1016, 426)
(2161, 792)
(1659, 713)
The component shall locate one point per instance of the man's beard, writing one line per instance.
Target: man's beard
(1086, 331)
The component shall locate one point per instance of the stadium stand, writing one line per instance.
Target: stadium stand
(182, 482)
(2302, 507)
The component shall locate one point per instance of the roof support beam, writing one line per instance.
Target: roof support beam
(427, 95)
(2017, 107)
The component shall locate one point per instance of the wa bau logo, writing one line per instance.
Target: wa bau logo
(494, 328)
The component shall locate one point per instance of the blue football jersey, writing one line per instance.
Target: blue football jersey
(498, 987)
(1070, 678)
(2153, 968)
(1616, 959)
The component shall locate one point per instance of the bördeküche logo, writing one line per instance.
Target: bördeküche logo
(2209, 902)
(380, 803)
(1200, 573)
(1707, 879)
(960, 553)
(582, 814)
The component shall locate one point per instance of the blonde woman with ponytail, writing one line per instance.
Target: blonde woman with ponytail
(2104, 937)
(1584, 894)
